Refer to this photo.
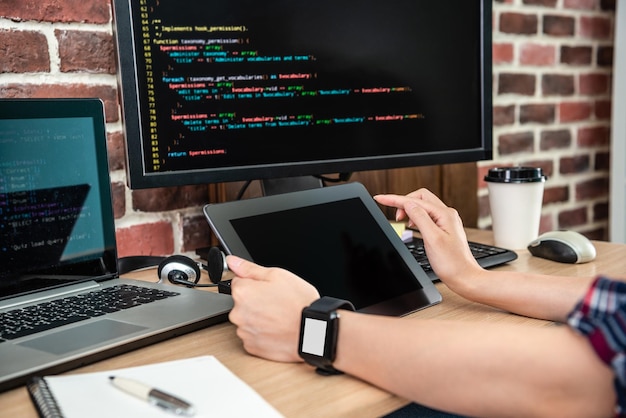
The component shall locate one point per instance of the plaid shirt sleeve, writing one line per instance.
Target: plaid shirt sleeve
(601, 317)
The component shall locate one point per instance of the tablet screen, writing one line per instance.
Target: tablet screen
(335, 246)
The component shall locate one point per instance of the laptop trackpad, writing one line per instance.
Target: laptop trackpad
(82, 336)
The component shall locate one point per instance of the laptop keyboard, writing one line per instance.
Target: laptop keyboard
(21, 322)
(486, 255)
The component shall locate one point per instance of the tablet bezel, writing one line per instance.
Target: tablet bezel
(220, 215)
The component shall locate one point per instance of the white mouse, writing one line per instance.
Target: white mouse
(563, 246)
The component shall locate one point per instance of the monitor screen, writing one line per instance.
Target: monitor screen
(226, 90)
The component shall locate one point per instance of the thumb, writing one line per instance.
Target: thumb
(244, 268)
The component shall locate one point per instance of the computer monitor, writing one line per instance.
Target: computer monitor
(228, 90)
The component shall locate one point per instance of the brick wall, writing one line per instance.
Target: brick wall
(65, 48)
(552, 76)
(552, 67)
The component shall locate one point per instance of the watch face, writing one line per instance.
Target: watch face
(314, 336)
(318, 337)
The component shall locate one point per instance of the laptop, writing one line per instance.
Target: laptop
(336, 238)
(58, 249)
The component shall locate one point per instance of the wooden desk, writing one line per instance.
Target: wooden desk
(294, 389)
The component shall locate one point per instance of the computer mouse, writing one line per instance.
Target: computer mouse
(563, 246)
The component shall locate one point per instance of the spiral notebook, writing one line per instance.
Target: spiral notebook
(204, 381)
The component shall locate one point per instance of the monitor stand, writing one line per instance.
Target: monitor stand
(271, 187)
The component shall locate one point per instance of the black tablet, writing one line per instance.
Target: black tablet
(336, 238)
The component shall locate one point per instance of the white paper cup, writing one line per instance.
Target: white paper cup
(515, 199)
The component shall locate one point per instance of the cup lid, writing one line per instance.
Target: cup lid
(515, 175)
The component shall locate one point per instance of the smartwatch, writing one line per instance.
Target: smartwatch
(318, 333)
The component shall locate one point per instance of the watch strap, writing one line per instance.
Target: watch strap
(327, 304)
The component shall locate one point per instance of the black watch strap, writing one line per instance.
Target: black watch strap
(327, 305)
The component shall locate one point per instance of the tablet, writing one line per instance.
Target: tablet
(336, 238)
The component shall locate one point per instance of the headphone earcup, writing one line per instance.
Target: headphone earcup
(217, 264)
(179, 269)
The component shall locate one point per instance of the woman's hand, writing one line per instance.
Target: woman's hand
(442, 230)
(268, 308)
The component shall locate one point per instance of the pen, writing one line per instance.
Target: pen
(153, 396)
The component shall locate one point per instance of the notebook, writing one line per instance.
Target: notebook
(57, 242)
(204, 382)
(336, 238)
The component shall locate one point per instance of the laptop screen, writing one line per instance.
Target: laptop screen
(56, 222)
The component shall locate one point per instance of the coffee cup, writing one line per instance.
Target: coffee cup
(515, 199)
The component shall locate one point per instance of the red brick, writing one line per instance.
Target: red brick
(116, 150)
(604, 56)
(544, 3)
(106, 93)
(146, 239)
(537, 113)
(595, 27)
(602, 161)
(516, 84)
(92, 11)
(518, 23)
(594, 136)
(607, 5)
(576, 55)
(571, 218)
(563, 26)
(601, 212)
(23, 52)
(593, 84)
(592, 189)
(503, 115)
(537, 55)
(502, 53)
(196, 233)
(557, 85)
(169, 198)
(118, 190)
(561, 138)
(598, 234)
(580, 4)
(83, 51)
(516, 143)
(574, 165)
(603, 109)
(558, 194)
(574, 111)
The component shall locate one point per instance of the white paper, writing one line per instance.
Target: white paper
(203, 381)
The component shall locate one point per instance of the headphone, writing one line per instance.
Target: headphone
(180, 269)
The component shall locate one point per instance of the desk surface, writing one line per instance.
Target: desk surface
(294, 389)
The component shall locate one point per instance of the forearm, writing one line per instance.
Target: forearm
(476, 368)
(533, 295)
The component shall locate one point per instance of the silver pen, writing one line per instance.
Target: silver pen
(153, 396)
